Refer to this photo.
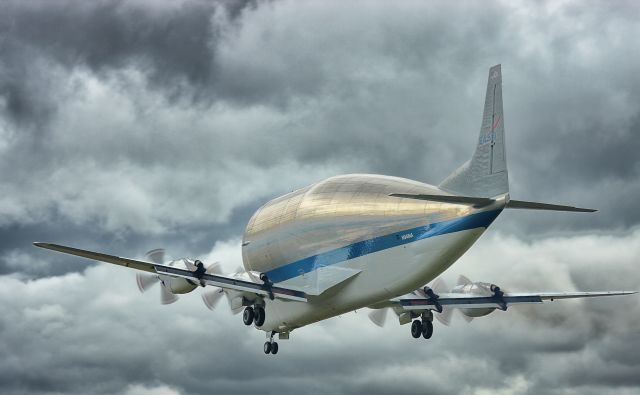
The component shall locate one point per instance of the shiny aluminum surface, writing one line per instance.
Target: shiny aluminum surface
(336, 212)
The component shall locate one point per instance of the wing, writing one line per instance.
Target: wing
(416, 301)
(209, 279)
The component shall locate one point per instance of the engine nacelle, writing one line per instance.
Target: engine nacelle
(478, 289)
(178, 285)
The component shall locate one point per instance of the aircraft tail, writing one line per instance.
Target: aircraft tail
(485, 174)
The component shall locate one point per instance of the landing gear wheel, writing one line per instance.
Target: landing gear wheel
(274, 348)
(267, 347)
(260, 316)
(427, 329)
(247, 316)
(416, 329)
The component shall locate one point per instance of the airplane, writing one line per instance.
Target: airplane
(361, 240)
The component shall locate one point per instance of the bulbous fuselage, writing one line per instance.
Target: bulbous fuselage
(334, 223)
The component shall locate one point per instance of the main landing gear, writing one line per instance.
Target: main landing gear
(271, 347)
(423, 327)
(254, 315)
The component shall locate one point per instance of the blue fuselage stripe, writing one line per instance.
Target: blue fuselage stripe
(365, 247)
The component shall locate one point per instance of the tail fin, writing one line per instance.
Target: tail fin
(485, 174)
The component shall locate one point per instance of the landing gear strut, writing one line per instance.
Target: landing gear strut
(271, 347)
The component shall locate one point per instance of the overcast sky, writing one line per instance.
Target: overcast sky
(131, 125)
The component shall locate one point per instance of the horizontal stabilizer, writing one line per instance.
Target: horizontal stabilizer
(482, 202)
(521, 204)
(473, 201)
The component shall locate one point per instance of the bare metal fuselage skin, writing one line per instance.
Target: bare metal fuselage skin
(350, 221)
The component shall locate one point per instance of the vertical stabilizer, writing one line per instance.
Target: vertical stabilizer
(485, 174)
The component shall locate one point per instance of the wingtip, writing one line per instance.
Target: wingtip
(39, 244)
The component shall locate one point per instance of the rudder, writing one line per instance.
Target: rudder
(485, 174)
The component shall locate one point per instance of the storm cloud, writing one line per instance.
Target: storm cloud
(128, 125)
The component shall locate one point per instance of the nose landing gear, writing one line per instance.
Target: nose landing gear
(271, 347)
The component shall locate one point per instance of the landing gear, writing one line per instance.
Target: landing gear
(427, 329)
(271, 347)
(416, 329)
(248, 315)
(260, 316)
(254, 315)
(422, 328)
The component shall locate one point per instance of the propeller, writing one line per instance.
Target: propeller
(464, 280)
(440, 286)
(146, 281)
(379, 316)
(212, 298)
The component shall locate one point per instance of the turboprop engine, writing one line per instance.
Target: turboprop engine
(169, 286)
(466, 286)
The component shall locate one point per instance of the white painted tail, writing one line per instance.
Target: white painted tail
(485, 174)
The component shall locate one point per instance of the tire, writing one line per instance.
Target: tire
(267, 347)
(247, 316)
(416, 329)
(274, 348)
(259, 317)
(427, 329)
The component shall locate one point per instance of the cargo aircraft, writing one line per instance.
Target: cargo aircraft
(361, 240)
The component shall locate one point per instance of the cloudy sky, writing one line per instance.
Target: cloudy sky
(132, 125)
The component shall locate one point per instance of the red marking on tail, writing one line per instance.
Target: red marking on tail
(496, 123)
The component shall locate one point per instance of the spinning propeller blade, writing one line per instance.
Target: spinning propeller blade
(166, 297)
(379, 316)
(214, 268)
(212, 298)
(440, 286)
(145, 281)
(463, 280)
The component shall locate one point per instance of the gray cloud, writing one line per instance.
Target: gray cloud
(129, 125)
(187, 94)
